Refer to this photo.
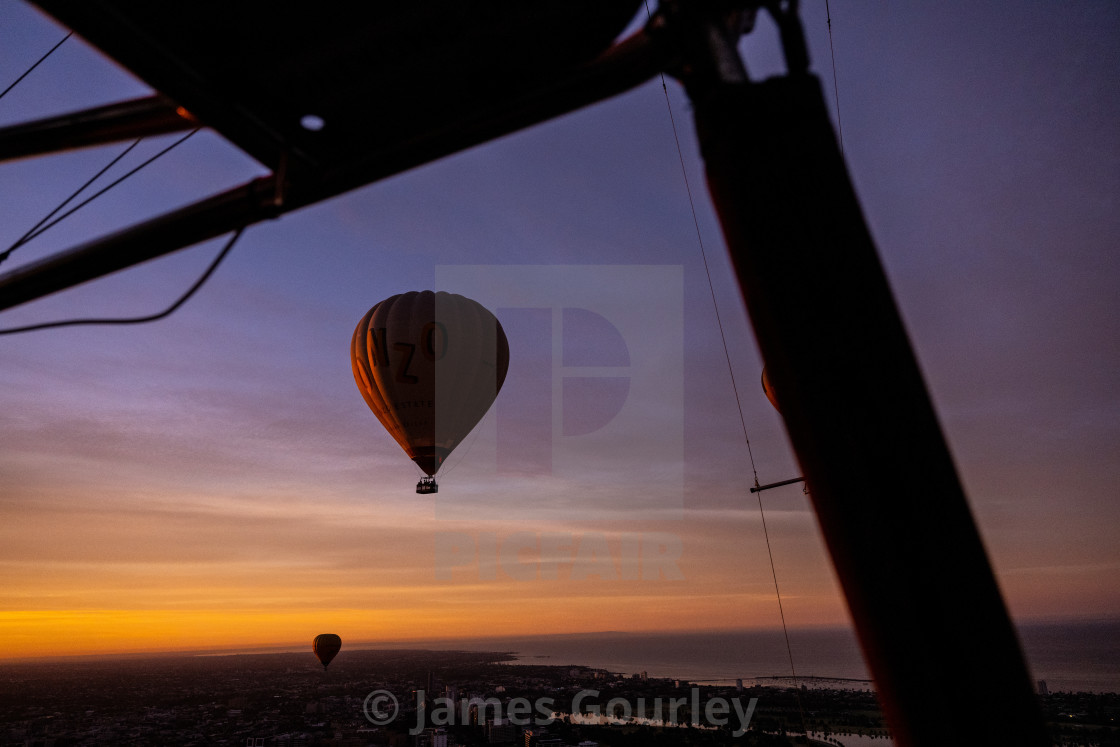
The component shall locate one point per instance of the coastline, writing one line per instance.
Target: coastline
(1078, 656)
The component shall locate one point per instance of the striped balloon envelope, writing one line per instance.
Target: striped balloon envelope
(429, 365)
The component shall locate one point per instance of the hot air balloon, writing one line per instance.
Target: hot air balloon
(326, 647)
(429, 365)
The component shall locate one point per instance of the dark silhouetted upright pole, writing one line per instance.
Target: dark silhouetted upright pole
(925, 603)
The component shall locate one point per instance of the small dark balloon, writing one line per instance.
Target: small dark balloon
(326, 646)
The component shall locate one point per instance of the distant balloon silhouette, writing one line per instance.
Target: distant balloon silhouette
(429, 366)
(326, 646)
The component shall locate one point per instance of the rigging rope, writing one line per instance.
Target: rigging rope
(27, 236)
(835, 85)
(734, 387)
(46, 223)
(139, 319)
(28, 70)
(42, 227)
(445, 472)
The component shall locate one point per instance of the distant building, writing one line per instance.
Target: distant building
(432, 738)
(500, 733)
(739, 685)
(533, 737)
(1042, 689)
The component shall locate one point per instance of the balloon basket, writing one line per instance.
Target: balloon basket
(427, 485)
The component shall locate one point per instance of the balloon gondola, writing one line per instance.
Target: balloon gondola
(429, 365)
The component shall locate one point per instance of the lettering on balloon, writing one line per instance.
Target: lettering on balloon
(402, 374)
(375, 342)
(433, 341)
(393, 353)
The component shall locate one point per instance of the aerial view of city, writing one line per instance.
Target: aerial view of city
(378, 698)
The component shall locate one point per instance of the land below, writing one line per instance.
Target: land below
(419, 698)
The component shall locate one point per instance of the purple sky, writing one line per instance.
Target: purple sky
(984, 143)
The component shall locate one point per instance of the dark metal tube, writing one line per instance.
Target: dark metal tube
(203, 220)
(626, 65)
(125, 120)
(760, 488)
(925, 603)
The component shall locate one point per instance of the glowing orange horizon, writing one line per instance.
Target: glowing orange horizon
(53, 633)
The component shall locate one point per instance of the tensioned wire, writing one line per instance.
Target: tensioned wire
(42, 226)
(46, 222)
(27, 72)
(734, 386)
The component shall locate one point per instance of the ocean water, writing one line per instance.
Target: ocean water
(1081, 656)
(709, 657)
(1070, 657)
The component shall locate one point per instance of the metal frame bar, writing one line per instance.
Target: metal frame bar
(925, 603)
(124, 120)
(768, 486)
(626, 65)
